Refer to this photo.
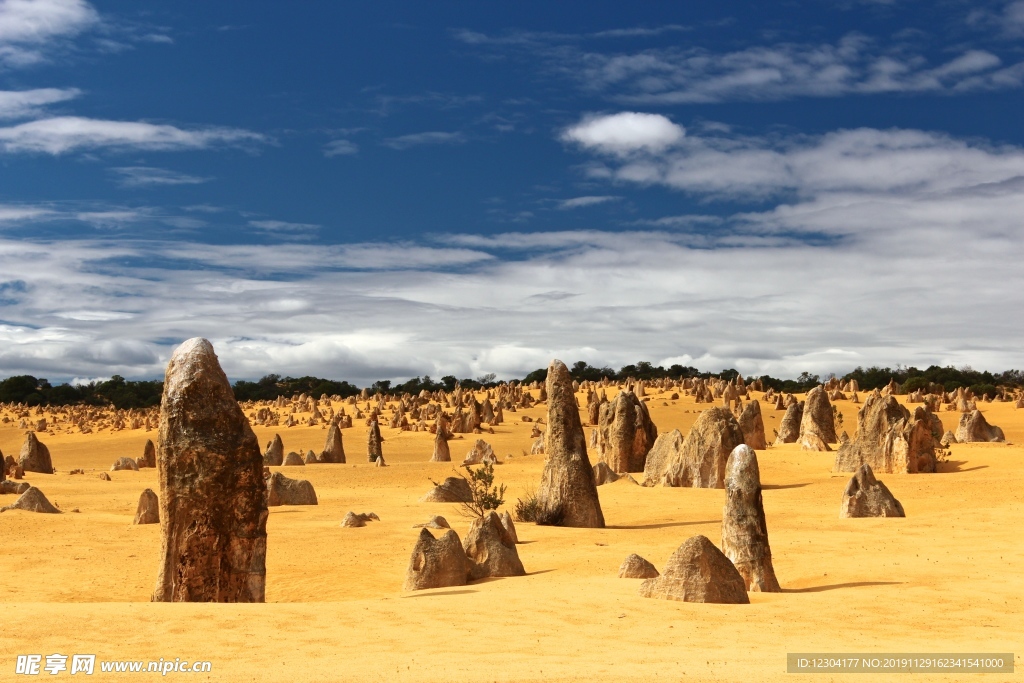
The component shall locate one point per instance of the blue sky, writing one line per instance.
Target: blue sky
(392, 189)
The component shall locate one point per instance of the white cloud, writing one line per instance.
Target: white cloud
(29, 27)
(336, 148)
(18, 104)
(145, 176)
(625, 132)
(592, 200)
(854, 65)
(59, 135)
(427, 138)
(876, 247)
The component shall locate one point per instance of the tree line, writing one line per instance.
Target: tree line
(124, 394)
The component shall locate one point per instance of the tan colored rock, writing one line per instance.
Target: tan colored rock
(865, 496)
(353, 520)
(702, 459)
(442, 453)
(567, 495)
(752, 425)
(213, 510)
(889, 439)
(35, 456)
(974, 427)
(698, 572)
(490, 549)
(284, 491)
(603, 474)
(510, 527)
(666, 448)
(744, 529)
(818, 418)
(32, 500)
(435, 522)
(148, 511)
(334, 449)
(124, 463)
(148, 458)
(789, 428)
(480, 454)
(625, 433)
(636, 567)
(437, 562)
(451, 490)
(293, 459)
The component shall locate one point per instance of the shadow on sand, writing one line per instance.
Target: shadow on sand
(665, 525)
(837, 586)
(958, 466)
(780, 487)
(430, 595)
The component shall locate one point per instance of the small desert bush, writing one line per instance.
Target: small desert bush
(486, 496)
(527, 507)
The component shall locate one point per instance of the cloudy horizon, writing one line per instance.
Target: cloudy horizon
(366, 196)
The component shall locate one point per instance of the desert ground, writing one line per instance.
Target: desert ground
(944, 579)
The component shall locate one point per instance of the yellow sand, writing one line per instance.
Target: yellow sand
(946, 578)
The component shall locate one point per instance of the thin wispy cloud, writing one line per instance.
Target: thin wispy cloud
(590, 200)
(427, 138)
(63, 134)
(854, 65)
(20, 104)
(148, 176)
(337, 148)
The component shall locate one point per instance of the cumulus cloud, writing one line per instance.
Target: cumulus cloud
(62, 134)
(625, 132)
(19, 104)
(875, 247)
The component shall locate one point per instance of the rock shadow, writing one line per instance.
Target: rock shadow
(838, 586)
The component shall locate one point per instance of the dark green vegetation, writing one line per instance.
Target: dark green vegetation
(122, 394)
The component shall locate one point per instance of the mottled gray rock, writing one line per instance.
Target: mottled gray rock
(567, 495)
(744, 530)
(865, 496)
(9, 486)
(213, 509)
(293, 459)
(698, 572)
(480, 454)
